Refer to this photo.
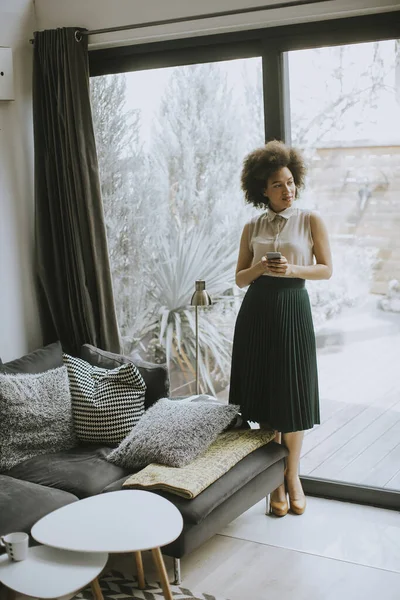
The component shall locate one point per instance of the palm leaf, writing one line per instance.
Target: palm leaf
(180, 259)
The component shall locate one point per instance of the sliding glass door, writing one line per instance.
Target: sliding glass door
(345, 114)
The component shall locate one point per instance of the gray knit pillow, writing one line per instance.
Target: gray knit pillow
(173, 433)
(35, 416)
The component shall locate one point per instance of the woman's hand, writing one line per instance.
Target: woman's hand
(279, 266)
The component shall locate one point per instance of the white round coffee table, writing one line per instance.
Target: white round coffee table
(123, 521)
(50, 573)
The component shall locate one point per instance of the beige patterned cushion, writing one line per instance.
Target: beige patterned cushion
(228, 449)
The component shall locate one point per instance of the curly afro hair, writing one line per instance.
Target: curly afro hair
(259, 165)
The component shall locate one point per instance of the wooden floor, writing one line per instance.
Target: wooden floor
(358, 440)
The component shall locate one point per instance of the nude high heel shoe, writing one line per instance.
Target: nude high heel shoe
(298, 506)
(279, 508)
(298, 503)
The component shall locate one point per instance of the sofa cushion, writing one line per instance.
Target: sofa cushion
(44, 359)
(82, 471)
(35, 415)
(106, 403)
(155, 376)
(23, 503)
(173, 433)
(196, 510)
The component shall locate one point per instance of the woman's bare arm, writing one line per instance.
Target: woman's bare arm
(322, 252)
(245, 273)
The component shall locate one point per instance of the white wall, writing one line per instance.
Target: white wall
(97, 14)
(19, 321)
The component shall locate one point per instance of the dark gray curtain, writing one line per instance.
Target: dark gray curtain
(72, 257)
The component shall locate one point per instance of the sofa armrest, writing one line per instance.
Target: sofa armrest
(155, 376)
(22, 503)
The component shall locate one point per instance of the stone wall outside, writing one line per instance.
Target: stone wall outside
(357, 190)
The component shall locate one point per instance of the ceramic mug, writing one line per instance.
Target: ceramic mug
(16, 545)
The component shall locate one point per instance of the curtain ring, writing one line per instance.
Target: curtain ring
(78, 35)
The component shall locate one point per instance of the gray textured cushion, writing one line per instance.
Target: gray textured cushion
(35, 416)
(173, 433)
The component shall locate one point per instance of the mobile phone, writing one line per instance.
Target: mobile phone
(274, 255)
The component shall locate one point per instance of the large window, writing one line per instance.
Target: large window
(171, 140)
(170, 144)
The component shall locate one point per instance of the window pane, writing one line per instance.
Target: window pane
(345, 113)
(170, 144)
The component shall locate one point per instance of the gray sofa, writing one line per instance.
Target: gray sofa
(39, 485)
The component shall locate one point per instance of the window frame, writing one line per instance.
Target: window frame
(269, 43)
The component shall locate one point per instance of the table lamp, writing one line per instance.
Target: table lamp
(199, 298)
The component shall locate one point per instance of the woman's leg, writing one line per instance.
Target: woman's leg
(293, 442)
(277, 499)
(279, 493)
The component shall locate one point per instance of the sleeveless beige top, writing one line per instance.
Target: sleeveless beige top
(288, 232)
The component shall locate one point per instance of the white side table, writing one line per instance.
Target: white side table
(123, 521)
(50, 573)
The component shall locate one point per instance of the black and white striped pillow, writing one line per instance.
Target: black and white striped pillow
(106, 403)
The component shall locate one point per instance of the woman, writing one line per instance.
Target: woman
(274, 369)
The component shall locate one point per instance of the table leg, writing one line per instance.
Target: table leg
(96, 590)
(11, 595)
(140, 571)
(177, 571)
(159, 561)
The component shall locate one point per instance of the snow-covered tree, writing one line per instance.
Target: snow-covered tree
(197, 147)
(342, 94)
(124, 186)
(196, 151)
(253, 105)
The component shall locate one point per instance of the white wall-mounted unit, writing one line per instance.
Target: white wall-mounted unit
(6, 74)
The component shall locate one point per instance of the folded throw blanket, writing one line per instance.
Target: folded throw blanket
(229, 448)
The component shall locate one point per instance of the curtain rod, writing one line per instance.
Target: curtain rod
(225, 13)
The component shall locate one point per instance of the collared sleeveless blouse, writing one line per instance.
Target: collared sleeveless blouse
(288, 232)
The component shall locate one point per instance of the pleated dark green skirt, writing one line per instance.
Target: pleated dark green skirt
(274, 367)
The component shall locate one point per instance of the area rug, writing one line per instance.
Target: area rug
(116, 586)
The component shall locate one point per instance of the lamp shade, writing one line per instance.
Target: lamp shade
(200, 296)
